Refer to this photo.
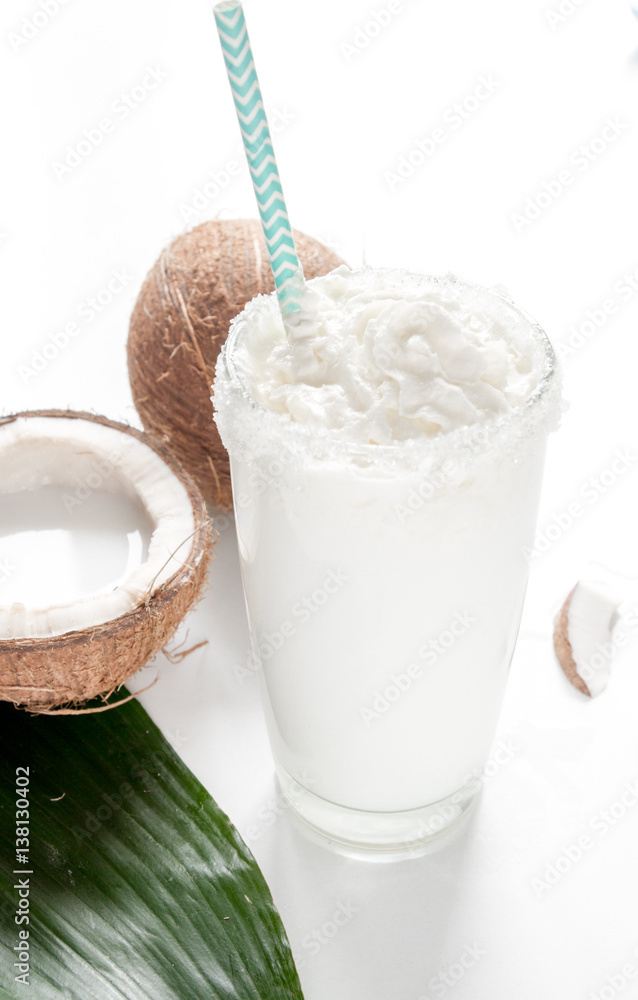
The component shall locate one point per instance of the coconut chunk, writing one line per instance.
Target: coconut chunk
(583, 634)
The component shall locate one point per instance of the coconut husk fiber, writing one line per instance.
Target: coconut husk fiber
(180, 321)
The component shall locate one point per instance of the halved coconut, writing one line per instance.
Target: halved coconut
(71, 650)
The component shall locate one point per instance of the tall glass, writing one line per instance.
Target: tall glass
(384, 586)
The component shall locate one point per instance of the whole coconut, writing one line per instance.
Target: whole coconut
(179, 323)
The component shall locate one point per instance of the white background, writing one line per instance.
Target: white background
(350, 115)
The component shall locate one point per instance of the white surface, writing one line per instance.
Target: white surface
(566, 766)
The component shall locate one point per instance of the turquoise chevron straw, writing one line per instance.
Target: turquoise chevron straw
(286, 269)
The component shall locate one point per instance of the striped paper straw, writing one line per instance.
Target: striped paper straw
(286, 269)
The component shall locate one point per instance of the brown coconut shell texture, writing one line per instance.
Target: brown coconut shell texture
(563, 647)
(44, 673)
(178, 326)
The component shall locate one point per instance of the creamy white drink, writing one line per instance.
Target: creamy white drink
(386, 464)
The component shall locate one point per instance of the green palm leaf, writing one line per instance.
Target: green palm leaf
(141, 888)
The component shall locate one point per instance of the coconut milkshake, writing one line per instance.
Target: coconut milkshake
(386, 461)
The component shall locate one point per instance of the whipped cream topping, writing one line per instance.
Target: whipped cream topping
(380, 356)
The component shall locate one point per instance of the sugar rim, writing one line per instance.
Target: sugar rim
(537, 416)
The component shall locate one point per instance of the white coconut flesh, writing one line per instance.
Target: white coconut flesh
(593, 613)
(71, 465)
(57, 548)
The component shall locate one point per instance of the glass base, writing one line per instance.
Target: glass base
(380, 836)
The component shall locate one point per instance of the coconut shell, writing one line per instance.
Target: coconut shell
(43, 673)
(179, 323)
(563, 647)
